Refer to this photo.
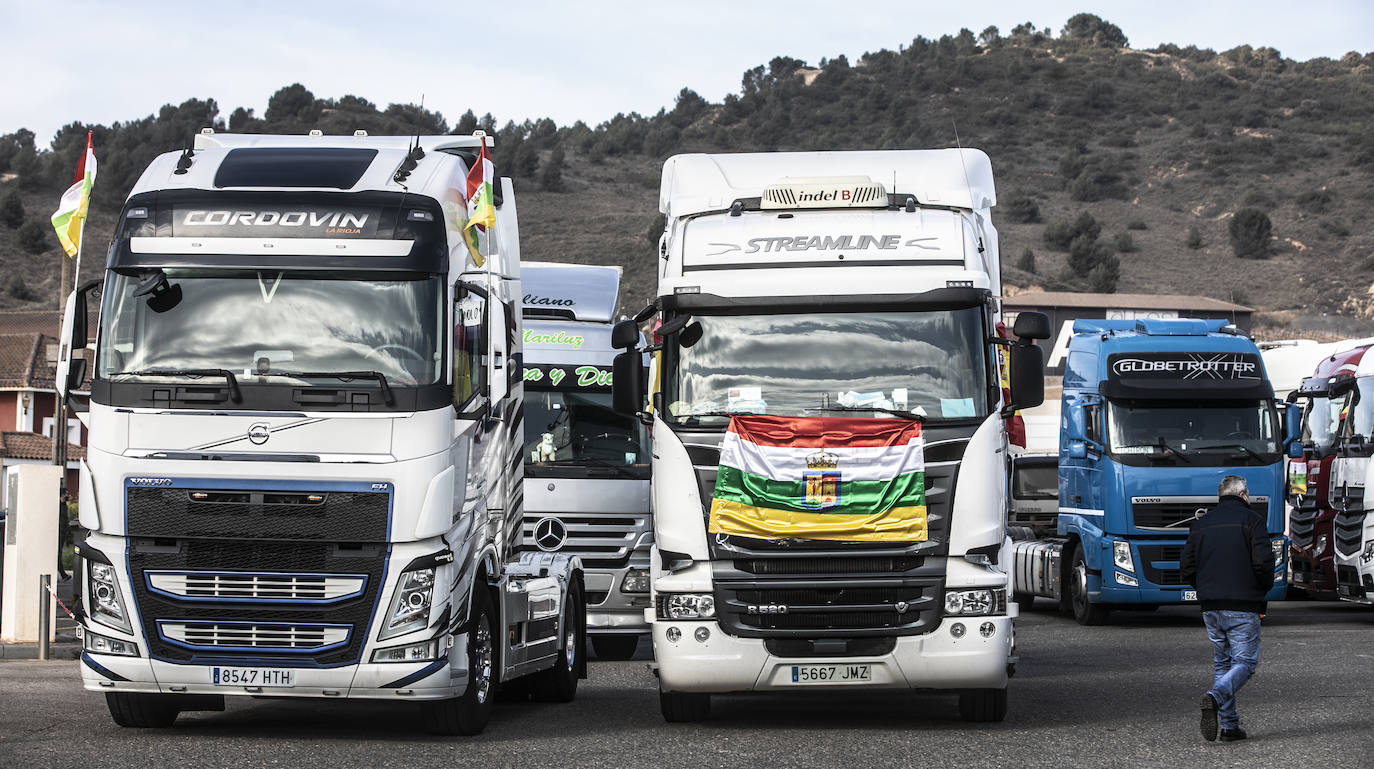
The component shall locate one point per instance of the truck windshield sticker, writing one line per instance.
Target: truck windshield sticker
(585, 377)
(823, 243)
(257, 221)
(955, 408)
(560, 339)
(1185, 366)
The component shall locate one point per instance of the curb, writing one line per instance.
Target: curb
(29, 651)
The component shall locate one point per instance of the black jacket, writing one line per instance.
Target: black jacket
(1228, 558)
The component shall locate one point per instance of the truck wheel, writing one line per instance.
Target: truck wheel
(983, 705)
(142, 711)
(684, 707)
(468, 714)
(615, 647)
(1086, 612)
(559, 683)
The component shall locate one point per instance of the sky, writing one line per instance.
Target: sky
(101, 62)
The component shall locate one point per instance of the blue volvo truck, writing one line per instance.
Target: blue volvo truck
(1154, 414)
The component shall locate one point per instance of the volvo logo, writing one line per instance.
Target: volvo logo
(150, 481)
(550, 534)
(259, 433)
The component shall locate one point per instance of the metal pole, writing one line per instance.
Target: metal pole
(44, 615)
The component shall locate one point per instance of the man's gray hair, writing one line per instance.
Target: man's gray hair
(1232, 486)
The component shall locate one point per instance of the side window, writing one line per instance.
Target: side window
(1093, 423)
(469, 346)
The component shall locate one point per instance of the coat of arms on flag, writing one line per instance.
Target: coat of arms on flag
(840, 479)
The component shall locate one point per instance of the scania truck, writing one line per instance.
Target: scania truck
(1154, 414)
(586, 467)
(304, 473)
(828, 428)
(1311, 516)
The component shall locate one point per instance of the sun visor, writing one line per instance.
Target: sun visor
(1186, 375)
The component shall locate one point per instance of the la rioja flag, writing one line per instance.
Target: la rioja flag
(71, 212)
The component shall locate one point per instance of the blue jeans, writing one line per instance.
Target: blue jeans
(1235, 637)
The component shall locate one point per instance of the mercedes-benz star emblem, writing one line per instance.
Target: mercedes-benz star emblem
(258, 433)
(550, 534)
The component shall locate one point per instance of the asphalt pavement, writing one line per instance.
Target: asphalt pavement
(1121, 695)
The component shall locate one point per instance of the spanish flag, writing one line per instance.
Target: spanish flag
(71, 213)
(839, 479)
(481, 203)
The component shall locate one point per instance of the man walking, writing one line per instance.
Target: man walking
(1229, 560)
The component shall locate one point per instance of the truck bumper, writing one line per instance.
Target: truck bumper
(935, 660)
(619, 613)
(440, 679)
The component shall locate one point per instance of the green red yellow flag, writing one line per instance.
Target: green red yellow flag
(71, 212)
(481, 204)
(854, 480)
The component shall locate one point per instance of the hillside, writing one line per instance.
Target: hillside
(1150, 144)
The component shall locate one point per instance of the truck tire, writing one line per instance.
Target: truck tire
(983, 705)
(559, 683)
(469, 713)
(684, 707)
(1086, 612)
(615, 647)
(142, 711)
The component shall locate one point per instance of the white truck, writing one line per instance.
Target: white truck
(1352, 397)
(303, 475)
(845, 293)
(586, 467)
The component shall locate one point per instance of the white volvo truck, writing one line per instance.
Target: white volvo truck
(586, 467)
(856, 285)
(303, 476)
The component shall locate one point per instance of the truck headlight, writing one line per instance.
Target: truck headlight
(686, 606)
(423, 651)
(410, 603)
(100, 644)
(1280, 547)
(636, 581)
(103, 598)
(1121, 556)
(1320, 547)
(967, 603)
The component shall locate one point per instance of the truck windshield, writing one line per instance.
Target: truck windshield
(1209, 433)
(573, 431)
(932, 364)
(269, 322)
(1321, 421)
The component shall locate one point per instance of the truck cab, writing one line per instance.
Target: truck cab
(586, 467)
(810, 302)
(1310, 521)
(303, 476)
(1154, 414)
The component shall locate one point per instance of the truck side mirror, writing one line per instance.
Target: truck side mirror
(71, 369)
(1292, 429)
(1027, 375)
(1031, 325)
(624, 335)
(627, 384)
(1078, 450)
(1075, 420)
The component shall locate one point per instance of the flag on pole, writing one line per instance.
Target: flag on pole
(855, 480)
(71, 212)
(481, 207)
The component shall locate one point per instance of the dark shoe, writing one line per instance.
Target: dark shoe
(1209, 717)
(1232, 735)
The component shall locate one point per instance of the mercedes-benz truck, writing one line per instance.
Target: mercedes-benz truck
(304, 473)
(586, 467)
(828, 428)
(1154, 414)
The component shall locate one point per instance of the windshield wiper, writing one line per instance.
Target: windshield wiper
(894, 412)
(344, 376)
(1166, 448)
(228, 375)
(1253, 454)
(597, 462)
(698, 415)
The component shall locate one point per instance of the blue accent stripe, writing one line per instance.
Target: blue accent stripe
(101, 669)
(422, 673)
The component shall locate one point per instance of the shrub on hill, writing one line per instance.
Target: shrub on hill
(1250, 231)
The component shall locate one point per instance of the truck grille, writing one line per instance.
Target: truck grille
(841, 597)
(1348, 528)
(602, 541)
(274, 588)
(1179, 515)
(267, 636)
(1170, 555)
(204, 512)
